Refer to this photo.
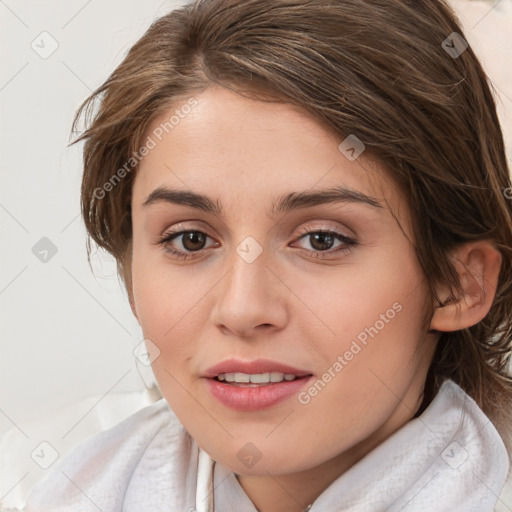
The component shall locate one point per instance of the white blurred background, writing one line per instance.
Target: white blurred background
(67, 334)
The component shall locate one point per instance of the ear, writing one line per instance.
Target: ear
(478, 265)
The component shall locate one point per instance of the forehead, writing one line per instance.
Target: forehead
(246, 151)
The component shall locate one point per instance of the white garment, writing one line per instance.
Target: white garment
(449, 459)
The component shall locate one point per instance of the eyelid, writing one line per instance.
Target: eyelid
(347, 242)
(309, 228)
(178, 230)
(182, 226)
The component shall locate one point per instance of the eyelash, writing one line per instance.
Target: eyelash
(348, 242)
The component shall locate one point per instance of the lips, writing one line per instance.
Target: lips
(268, 391)
(257, 366)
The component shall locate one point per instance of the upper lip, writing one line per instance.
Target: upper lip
(252, 367)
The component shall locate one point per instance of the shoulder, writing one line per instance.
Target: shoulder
(137, 456)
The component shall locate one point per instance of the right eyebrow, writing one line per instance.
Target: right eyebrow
(185, 198)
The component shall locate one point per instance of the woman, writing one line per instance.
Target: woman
(307, 204)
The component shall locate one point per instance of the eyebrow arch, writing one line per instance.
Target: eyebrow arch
(185, 198)
(288, 202)
(296, 200)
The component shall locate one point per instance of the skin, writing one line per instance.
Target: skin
(290, 304)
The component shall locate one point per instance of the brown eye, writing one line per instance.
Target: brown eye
(186, 244)
(325, 243)
(321, 241)
(193, 240)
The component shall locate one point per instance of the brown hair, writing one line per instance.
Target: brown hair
(394, 74)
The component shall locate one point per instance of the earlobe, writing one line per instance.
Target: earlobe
(478, 265)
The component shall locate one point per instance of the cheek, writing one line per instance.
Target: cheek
(168, 312)
(374, 314)
(384, 294)
(367, 377)
(168, 307)
(377, 317)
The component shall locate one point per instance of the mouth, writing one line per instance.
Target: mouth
(254, 385)
(252, 380)
(257, 371)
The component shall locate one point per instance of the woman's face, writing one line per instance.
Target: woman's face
(291, 255)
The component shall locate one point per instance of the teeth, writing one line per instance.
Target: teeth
(255, 378)
(277, 377)
(259, 378)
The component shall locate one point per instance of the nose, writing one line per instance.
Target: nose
(250, 299)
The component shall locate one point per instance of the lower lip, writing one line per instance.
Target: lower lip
(243, 398)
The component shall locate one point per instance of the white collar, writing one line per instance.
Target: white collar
(450, 458)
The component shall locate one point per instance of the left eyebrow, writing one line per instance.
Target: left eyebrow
(296, 200)
(288, 202)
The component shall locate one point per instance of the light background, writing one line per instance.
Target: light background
(67, 334)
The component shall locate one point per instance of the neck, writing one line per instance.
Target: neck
(294, 492)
